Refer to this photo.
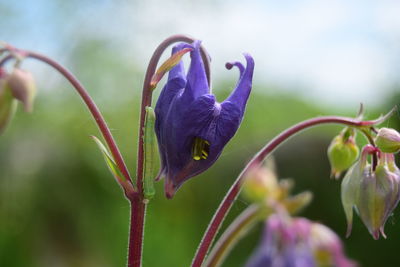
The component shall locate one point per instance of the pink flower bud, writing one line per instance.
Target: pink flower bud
(23, 87)
(7, 102)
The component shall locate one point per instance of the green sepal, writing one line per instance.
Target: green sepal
(112, 166)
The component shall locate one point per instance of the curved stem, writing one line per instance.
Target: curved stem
(233, 192)
(5, 59)
(94, 110)
(239, 227)
(99, 119)
(137, 203)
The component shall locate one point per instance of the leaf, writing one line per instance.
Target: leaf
(112, 166)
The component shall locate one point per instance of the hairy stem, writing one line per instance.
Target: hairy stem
(233, 192)
(136, 231)
(239, 227)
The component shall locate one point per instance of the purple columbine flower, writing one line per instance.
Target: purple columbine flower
(192, 128)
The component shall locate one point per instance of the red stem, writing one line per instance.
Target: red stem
(101, 123)
(233, 192)
(138, 213)
(138, 207)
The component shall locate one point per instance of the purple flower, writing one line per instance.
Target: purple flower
(298, 242)
(192, 128)
(283, 245)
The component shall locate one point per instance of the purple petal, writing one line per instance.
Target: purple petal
(206, 119)
(241, 93)
(197, 84)
(176, 82)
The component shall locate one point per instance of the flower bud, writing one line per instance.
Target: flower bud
(260, 183)
(342, 152)
(351, 185)
(388, 140)
(23, 87)
(374, 193)
(379, 197)
(7, 102)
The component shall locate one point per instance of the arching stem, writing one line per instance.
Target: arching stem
(236, 230)
(233, 192)
(91, 105)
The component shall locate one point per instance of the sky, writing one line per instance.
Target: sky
(330, 52)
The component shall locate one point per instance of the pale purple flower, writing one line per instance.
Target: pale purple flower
(298, 242)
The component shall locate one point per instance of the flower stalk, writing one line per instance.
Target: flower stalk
(91, 105)
(239, 227)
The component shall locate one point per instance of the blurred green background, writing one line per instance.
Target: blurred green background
(59, 206)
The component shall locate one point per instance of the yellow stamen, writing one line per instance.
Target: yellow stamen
(201, 148)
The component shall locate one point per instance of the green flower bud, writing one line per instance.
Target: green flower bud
(342, 152)
(23, 87)
(262, 186)
(374, 193)
(350, 192)
(388, 140)
(378, 197)
(7, 103)
(260, 183)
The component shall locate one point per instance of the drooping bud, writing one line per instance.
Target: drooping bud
(22, 86)
(342, 152)
(388, 140)
(379, 196)
(374, 193)
(351, 186)
(7, 102)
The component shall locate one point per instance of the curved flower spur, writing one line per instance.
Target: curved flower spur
(192, 128)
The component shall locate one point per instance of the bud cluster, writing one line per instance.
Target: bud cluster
(373, 192)
(371, 187)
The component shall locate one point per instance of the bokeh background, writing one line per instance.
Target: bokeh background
(59, 206)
